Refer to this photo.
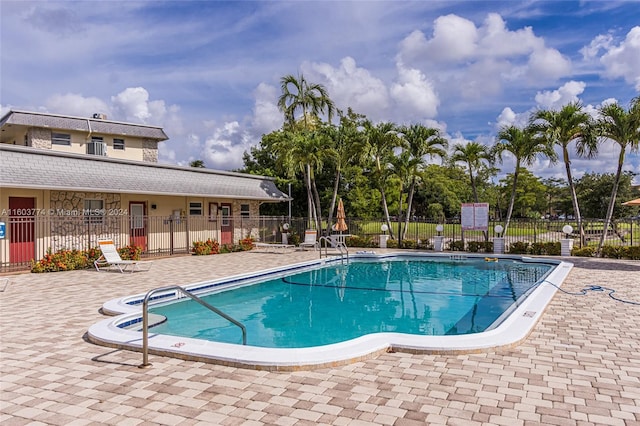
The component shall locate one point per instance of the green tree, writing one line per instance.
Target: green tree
(530, 198)
(475, 157)
(380, 141)
(561, 128)
(623, 128)
(311, 100)
(422, 143)
(525, 148)
(197, 163)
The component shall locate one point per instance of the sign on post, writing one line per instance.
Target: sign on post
(475, 216)
(3, 230)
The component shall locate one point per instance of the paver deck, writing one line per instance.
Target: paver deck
(580, 365)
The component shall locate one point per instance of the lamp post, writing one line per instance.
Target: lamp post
(438, 239)
(566, 244)
(498, 241)
(384, 237)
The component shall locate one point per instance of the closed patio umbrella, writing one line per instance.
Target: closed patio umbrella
(635, 202)
(341, 224)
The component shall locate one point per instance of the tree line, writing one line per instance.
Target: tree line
(404, 171)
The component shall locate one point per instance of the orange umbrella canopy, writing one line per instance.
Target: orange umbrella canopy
(635, 202)
(341, 224)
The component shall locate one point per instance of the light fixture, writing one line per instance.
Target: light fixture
(439, 229)
(384, 228)
(285, 226)
(567, 229)
(498, 229)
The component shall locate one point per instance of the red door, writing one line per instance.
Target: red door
(22, 247)
(138, 228)
(226, 227)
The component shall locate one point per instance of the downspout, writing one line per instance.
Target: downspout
(90, 131)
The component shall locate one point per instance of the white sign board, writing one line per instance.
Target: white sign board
(475, 216)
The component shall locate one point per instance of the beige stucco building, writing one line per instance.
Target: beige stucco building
(67, 181)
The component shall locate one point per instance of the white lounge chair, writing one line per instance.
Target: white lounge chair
(111, 258)
(310, 239)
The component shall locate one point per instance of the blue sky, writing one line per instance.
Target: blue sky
(209, 71)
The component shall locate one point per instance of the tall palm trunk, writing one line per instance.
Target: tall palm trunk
(412, 189)
(612, 201)
(512, 201)
(574, 195)
(334, 197)
(318, 211)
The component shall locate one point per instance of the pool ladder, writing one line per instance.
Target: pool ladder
(339, 245)
(179, 290)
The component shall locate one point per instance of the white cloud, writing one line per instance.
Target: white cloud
(478, 61)
(133, 104)
(351, 86)
(602, 41)
(223, 150)
(414, 94)
(266, 116)
(77, 105)
(623, 60)
(556, 99)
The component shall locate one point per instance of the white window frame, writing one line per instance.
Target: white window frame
(120, 145)
(63, 139)
(195, 208)
(245, 210)
(93, 211)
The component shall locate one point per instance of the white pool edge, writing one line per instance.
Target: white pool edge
(515, 328)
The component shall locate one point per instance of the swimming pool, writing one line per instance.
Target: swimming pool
(325, 312)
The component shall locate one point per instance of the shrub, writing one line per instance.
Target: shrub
(584, 251)
(476, 246)
(456, 245)
(519, 247)
(247, 243)
(613, 252)
(201, 248)
(633, 252)
(356, 241)
(548, 248)
(130, 252)
(424, 245)
(62, 260)
(409, 244)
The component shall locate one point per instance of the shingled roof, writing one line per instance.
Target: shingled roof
(81, 124)
(25, 167)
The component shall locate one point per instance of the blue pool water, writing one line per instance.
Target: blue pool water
(339, 302)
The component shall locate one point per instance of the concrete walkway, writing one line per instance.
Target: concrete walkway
(580, 365)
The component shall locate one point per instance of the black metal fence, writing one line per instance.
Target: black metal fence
(31, 237)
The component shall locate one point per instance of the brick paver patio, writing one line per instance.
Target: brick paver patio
(580, 365)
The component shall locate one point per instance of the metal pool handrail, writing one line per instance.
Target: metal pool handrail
(339, 245)
(145, 318)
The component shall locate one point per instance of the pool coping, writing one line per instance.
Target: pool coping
(515, 328)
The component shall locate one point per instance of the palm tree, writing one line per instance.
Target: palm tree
(344, 145)
(402, 166)
(422, 142)
(525, 147)
(298, 94)
(622, 127)
(380, 141)
(312, 100)
(304, 152)
(197, 163)
(475, 156)
(560, 128)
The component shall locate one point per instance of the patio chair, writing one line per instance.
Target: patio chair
(309, 239)
(111, 258)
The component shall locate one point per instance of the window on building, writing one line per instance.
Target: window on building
(97, 146)
(195, 208)
(60, 139)
(245, 210)
(93, 211)
(118, 144)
